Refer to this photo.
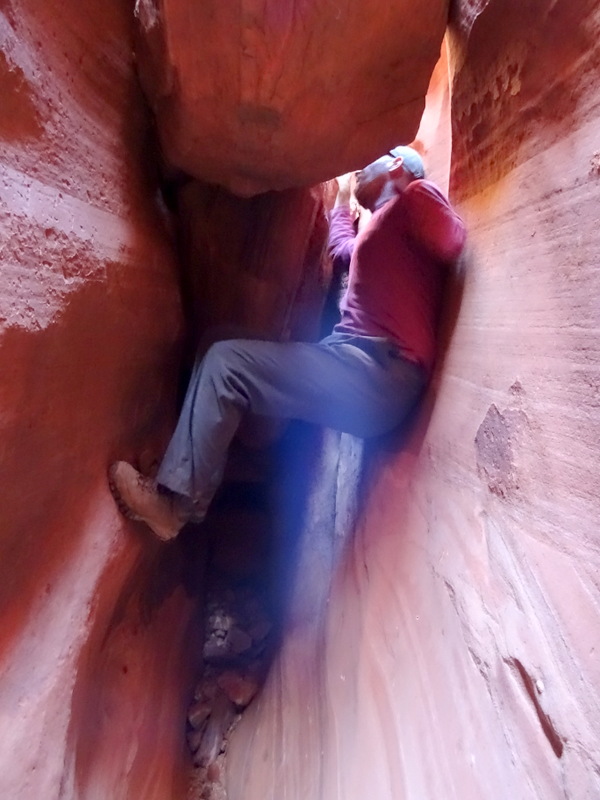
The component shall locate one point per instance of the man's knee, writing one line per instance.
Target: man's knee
(221, 355)
(229, 362)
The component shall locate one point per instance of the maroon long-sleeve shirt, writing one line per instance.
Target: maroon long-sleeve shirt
(397, 268)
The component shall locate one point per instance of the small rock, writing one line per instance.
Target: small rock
(219, 622)
(217, 726)
(205, 690)
(240, 689)
(235, 643)
(215, 649)
(199, 712)
(238, 641)
(194, 740)
(260, 630)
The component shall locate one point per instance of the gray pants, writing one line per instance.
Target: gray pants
(356, 384)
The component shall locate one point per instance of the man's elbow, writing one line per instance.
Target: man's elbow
(454, 243)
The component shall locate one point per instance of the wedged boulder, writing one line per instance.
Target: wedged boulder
(269, 95)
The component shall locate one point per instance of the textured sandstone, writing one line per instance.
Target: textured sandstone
(92, 676)
(254, 266)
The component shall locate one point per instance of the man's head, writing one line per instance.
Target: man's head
(379, 180)
(411, 161)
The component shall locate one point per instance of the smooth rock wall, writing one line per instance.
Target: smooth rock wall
(94, 654)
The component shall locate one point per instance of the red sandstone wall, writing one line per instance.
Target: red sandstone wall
(92, 682)
(101, 630)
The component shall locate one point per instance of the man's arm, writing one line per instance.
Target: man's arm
(434, 223)
(341, 226)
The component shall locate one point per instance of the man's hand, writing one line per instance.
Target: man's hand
(345, 193)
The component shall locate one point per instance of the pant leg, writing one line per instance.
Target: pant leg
(335, 384)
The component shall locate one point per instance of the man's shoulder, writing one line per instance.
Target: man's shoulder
(423, 188)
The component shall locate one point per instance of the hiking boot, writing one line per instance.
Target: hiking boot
(142, 499)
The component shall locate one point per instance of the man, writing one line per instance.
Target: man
(362, 379)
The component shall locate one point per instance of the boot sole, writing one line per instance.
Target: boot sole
(121, 504)
(161, 535)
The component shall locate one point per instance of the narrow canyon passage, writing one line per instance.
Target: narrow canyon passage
(421, 614)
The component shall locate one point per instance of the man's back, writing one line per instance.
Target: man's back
(397, 269)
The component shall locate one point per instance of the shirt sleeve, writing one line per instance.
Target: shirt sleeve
(433, 222)
(341, 238)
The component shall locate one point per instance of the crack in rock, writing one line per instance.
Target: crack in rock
(531, 687)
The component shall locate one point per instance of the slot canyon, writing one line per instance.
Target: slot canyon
(410, 618)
